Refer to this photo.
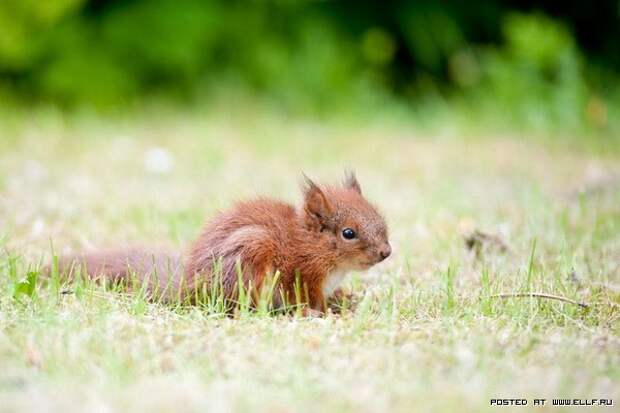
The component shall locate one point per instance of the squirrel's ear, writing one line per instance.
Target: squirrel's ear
(350, 181)
(315, 202)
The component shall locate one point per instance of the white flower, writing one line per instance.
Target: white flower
(158, 161)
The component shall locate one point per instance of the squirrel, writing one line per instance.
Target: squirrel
(310, 248)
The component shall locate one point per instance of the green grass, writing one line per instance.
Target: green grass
(424, 331)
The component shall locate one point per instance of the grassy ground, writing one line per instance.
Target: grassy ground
(426, 333)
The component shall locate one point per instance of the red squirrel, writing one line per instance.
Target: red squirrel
(311, 247)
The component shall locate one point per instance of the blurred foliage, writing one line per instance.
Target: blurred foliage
(23, 23)
(524, 61)
(535, 78)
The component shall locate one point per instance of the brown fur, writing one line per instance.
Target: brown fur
(159, 270)
(264, 236)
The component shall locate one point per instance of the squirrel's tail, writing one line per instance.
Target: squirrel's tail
(159, 273)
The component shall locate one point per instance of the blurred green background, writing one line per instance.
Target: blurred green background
(532, 65)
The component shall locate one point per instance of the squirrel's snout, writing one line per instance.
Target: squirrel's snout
(385, 251)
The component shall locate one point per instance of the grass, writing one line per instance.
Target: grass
(427, 331)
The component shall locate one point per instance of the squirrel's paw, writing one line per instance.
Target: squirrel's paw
(311, 313)
(340, 300)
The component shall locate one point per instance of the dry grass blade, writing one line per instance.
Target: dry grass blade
(541, 295)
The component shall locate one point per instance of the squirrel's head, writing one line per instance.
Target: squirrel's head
(347, 221)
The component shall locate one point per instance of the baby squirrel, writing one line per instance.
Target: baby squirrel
(311, 247)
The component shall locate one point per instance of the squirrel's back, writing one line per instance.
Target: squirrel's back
(252, 237)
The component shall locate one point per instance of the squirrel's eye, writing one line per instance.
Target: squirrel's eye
(348, 233)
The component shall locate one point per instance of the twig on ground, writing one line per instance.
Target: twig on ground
(541, 295)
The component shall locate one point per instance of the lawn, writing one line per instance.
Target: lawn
(427, 331)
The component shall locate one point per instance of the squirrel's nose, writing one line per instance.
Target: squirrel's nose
(385, 251)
